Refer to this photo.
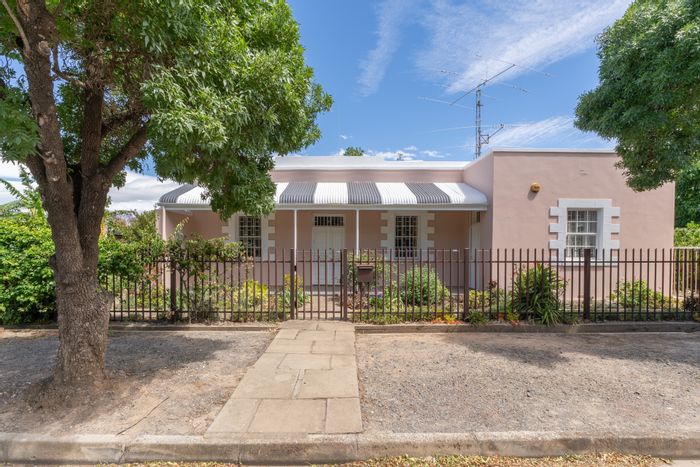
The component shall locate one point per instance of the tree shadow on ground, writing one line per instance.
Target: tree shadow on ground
(133, 360)
(548, 350)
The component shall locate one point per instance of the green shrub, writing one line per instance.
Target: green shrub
(204, 301)
(637, 294)
(492, 300)
(476, 317)
(250, 296)
(284, 301)
(537, 292)
(383, 318)
(691, 303)
(382, 269)
(421, 286)
(688, 236)
(26, 279)
(512, 316)
(387, 302)
(148, 294)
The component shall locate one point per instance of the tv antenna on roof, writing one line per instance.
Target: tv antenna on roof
(480, 137)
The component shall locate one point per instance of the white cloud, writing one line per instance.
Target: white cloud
(344, 137)
(474, 39)
(140, 192)
(556, 131)
(409, 153)
(433, 154)
(5, 196)
(393, 155)
(392, 15)
(9, 172)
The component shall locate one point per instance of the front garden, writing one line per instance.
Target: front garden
(197, 280)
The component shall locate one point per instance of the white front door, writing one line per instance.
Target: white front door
(327, 243)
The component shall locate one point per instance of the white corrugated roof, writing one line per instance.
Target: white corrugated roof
(361, 163)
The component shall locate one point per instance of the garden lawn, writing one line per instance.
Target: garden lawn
(164, 382)
(462, 382)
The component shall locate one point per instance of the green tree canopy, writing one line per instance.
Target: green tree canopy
(648, 99)
(353, 151)
(209, 89)
(688, 196)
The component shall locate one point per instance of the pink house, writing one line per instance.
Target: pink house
(557, 200)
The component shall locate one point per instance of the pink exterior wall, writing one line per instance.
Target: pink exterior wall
(451, 229)
(204, 223)
(480, 175)
(518, 218)
(646, 218)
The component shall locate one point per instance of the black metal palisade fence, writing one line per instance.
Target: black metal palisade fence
(398, 285)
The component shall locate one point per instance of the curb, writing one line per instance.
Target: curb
(154, 327)
(192, 327)
(586, 328)
(304, 449)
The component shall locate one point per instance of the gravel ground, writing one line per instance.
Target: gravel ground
(164, 382)
(463, 382)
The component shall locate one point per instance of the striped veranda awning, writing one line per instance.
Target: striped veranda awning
(334, 194)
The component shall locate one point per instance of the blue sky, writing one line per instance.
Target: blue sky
(379, 58)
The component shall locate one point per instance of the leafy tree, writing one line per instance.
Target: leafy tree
(649, 90)
(209, 89)
(132, 226)
(26, 279)
(688, 235)
(353, 151)
(688, 196)
(28, 199)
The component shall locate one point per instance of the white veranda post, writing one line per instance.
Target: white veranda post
(357, 231)
(295, 237)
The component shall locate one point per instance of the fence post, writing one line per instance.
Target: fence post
(292, 283)
(465, 311)
(587, 283)
(173, 290)
(344, 282)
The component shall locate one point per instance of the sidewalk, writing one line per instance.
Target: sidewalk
(305, 382)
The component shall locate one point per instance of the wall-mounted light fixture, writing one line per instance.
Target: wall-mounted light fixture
(535, 187)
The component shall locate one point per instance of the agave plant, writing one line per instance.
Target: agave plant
(537, 292)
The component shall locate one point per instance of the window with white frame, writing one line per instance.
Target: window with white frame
(406, 236)
(250, 235)
(581, 232)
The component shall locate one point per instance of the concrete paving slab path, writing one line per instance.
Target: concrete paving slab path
(304, 383)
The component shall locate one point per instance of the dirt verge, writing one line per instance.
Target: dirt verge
(163, 383)
(462, 382)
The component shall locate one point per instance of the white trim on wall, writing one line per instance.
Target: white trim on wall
(231, 230)
(606, 227)
(425, 231)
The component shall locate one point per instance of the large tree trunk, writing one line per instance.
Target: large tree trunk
(74, 191)
(83, 318)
